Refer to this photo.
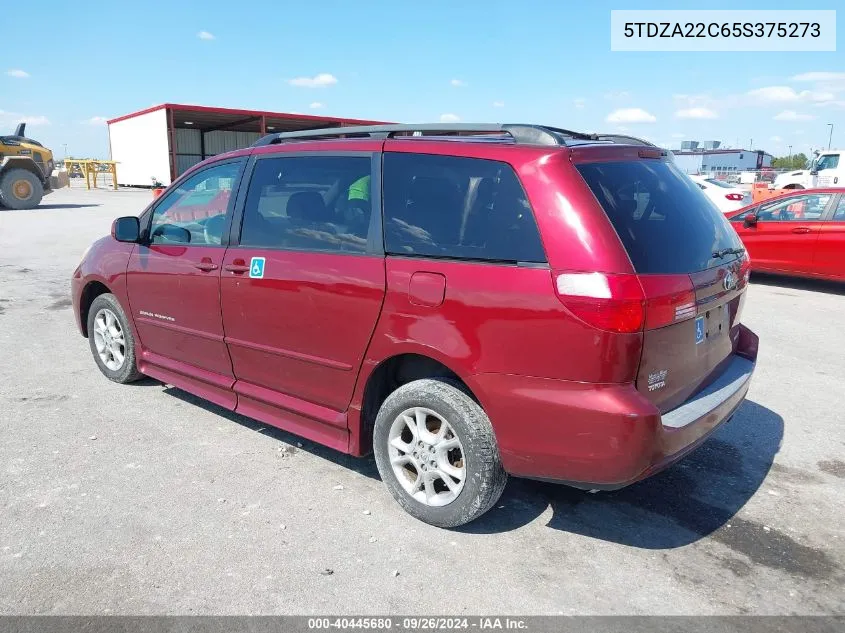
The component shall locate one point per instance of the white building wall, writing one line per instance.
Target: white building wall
(141, 148)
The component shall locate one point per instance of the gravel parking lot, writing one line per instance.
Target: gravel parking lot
(144, 500)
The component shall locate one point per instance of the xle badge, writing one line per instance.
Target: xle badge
(256, 267)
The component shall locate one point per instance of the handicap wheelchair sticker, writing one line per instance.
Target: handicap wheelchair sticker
(699, 330)
(256, 267)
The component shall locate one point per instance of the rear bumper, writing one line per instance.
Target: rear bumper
(605, 436)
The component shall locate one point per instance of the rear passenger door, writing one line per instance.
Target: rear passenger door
(302, 287)
(830, 247)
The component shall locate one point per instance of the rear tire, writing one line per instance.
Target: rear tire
(449, 473)
(20, 189)
(111, 341)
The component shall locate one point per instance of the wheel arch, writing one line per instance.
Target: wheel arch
(388, 375)
(91, 291)
(21, 162)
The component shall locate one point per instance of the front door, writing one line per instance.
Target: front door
(303, 289)
(173, 282)
(785, 235)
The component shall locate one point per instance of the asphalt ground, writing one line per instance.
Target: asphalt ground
(142, 499)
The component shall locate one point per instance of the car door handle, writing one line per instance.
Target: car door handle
(801, 229)
(238, 269)
(206, 266)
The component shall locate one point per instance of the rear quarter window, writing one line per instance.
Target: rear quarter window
(456, 207)
(666, 224)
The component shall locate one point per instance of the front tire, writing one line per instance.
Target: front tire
(20, 189)
(111, 341)
(437, 454)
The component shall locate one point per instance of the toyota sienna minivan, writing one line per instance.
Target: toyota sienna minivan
(467, 302)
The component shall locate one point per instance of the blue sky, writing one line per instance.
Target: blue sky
(71, 66)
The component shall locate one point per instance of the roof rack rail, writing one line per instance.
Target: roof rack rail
(624, 139)
(521, 133)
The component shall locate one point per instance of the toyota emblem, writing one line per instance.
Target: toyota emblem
(729, 282)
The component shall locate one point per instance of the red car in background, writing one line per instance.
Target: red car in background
(801, 233)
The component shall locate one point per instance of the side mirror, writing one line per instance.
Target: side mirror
(173, 234)
(126, 229)
(814, 172)
(750, 219)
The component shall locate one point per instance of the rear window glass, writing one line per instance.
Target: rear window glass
(455, 207)
(665, 222)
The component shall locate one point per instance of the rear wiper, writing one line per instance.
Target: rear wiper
(728, 251)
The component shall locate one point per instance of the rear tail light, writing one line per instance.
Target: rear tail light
(614, 303)
(736, 197)
(627, 303)
(745, 268)
(669, 299)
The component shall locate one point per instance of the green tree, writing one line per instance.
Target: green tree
(796, 161)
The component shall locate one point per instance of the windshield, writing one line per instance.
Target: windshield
(665, 222)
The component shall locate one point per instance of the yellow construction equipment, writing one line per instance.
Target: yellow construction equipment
(26, 167)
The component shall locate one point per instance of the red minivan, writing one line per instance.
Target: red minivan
(466, 302)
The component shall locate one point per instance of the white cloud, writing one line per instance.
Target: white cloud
(630, 115)
(449, 118)
(316, 105)
(792, 115)
(831, 104)
(498, 104)
(96, 120)
(457, 83)
(205, 35)
(621, 128)
(697, 113)
(579, 103)
(617, 95)
(679, 135)
(785, 94)
(775, 139)
(17, 73)
(317, 81)
(13, 118)
(819, 76)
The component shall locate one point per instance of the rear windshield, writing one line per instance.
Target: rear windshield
(665, 222)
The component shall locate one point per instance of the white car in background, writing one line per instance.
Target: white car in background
(725, 196)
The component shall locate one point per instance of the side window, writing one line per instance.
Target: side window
(839, 215)
(447, 206)
(795, 209)
(195, 212)
(828, 161)
(310, 203)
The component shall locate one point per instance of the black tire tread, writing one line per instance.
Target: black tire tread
(491, 477)
(8, 200)
(129, 371)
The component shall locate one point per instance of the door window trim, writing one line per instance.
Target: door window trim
(825, 214)
(830, 212)
(236, 188)
(375, 238)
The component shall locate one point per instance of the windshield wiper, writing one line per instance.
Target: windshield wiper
(728, 251)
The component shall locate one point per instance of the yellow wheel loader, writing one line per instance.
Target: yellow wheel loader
(26, 167)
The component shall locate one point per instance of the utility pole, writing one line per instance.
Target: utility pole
(789, 163)
(65, 146)
(830, 137)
